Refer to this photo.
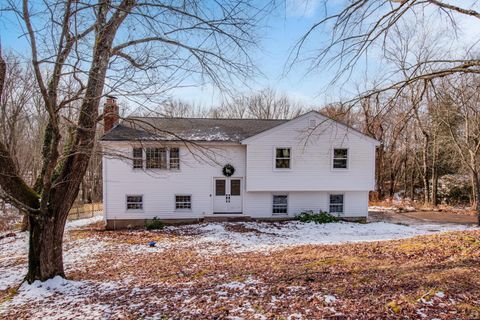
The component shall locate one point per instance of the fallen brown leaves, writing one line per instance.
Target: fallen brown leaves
(429, 276)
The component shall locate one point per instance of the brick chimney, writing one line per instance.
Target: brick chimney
(110, 114)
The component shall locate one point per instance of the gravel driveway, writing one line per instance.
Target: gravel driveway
(422, 217)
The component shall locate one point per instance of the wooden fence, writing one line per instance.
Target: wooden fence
(86, 210)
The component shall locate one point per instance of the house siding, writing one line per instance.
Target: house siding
(259, 204)
(308, 183)
(159, 187)
(311, 163)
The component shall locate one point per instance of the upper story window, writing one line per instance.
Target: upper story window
(137, 158)
(174, 158)
(283, 158)
(157, 158)
(135, 202)
(340, 158)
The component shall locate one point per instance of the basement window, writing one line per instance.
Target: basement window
(280, 204)
(135, 202)
(183, 202)
(336, 203)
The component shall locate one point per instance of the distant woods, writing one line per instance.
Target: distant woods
(263, 104)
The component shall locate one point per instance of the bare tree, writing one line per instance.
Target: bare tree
(358, 28)
(459, 107)
(84, 50)
(265, 104)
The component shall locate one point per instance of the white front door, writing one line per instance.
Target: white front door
(227, 196)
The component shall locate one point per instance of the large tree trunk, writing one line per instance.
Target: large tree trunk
(45, 256)
(25, 223)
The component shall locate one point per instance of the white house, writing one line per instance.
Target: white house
(180, 169)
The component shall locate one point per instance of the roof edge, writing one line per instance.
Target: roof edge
(347, 127)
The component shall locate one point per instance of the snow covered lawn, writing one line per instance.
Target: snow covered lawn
(253, 271)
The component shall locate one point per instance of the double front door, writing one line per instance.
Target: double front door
(227, 196)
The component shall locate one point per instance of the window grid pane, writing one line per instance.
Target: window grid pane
(163, 158)
(137, 158)
(280, 204)
(134, 202)
(156, 158)
(174, 158)
(340, 158)
(183, 202)
(153, 158)
(336, 203)
(282, 158)
(235, 187)
(219, 187)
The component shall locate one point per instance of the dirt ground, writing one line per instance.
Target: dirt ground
(422, 217)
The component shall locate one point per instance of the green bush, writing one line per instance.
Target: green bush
(320, 217)
(155, 224)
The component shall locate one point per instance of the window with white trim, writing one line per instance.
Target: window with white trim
(282, 158)
(135, 202)
(137, 158)
(162, 158)
(174, 158)
(336, 203)
(340, 158)
(183, 202)
(280, 204)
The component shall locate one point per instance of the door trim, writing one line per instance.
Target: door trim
(227, 182)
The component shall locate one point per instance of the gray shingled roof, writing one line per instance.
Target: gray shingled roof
(192, 129)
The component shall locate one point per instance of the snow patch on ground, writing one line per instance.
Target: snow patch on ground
(329, 298)
(60, 292)
(42, 290)
(14, 251)
(74, 224)
(272, 236)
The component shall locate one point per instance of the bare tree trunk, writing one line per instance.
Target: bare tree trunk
(412, 184)
(434, 186)
(475, 185)
(393, 178)
(435, 171)
(426, 183)
(477, 194)
(25, 223)
(46, 247)
(378, 171)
